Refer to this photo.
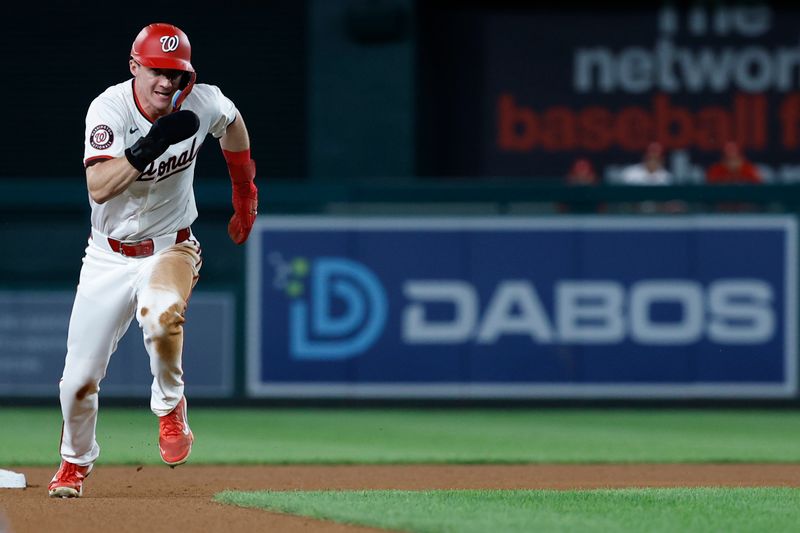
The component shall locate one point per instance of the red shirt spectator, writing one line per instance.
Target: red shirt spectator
(732, 168)
(582, 173)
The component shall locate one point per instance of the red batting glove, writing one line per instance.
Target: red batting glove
(242, 170)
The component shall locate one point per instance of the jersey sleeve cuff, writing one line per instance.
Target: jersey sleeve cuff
(92, 160)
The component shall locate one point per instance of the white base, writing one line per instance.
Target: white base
(11, 480)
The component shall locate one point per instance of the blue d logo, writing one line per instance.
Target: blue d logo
(361, 311)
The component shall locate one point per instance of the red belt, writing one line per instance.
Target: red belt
(143, 248)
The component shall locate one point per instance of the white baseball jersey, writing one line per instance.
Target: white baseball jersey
(161, 200)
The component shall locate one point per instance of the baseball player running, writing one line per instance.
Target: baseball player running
(142, 259)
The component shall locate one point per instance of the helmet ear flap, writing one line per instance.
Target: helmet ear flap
(187, 83)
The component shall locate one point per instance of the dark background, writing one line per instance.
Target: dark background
(57, 58)
(341, 89)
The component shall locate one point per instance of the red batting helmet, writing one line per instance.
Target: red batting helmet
(165, 46)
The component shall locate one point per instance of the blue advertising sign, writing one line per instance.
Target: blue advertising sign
(558, 307)
(33, 344)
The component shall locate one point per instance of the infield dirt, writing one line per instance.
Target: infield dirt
(159, 499)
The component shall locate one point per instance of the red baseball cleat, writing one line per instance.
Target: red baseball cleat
(174, 436)
(68, 481)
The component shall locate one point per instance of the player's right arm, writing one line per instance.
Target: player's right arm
(109, 174)
(109, 178)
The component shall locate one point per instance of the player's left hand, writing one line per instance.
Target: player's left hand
(245, 209)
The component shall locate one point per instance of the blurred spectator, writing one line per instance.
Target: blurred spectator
(650, 171)
(732, 168)
(582, 173)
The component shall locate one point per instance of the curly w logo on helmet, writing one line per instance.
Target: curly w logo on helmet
(169, 43)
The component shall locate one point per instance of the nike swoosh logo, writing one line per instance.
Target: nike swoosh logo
(133, 130)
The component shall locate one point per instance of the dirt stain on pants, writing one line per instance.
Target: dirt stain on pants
(176, 271)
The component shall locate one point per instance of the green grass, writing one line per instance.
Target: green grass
(517, 511)
(280, 436)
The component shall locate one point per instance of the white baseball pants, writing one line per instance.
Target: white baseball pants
(111, 290)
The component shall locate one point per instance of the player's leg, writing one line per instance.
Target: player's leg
(165, 287)
(102, 311)
(167, 284)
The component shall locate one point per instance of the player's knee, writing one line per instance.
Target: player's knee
(160, 312)
(79, 387)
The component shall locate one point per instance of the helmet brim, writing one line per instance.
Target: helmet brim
(171, 63)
